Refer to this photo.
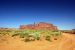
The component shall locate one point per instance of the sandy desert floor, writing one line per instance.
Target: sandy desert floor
(67, 42)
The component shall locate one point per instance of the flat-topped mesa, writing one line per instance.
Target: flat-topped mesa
(39, 26)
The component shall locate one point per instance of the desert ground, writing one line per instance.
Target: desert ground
(66, 42)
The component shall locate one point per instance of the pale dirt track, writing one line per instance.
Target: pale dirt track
(67, 42)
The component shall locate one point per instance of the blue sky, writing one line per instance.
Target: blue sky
(13, 13)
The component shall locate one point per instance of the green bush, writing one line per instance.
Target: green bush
(37, 35)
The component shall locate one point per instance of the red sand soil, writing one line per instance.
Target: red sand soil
(66, 42)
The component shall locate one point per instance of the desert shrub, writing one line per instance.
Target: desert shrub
(1, 34)
(47, 37)
(24, 34)
(49, 34)
(31, 38)
(57, 33)
(26, 39)
(15, 35)
(36, 35)
(4, 33)
(32, 35)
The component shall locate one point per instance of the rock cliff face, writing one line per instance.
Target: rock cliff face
(39, 26)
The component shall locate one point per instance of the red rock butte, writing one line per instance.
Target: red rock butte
(39, 26)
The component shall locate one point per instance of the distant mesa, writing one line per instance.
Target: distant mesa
(39, 26)
(8, 28)
(73, 29)
(35, 26)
